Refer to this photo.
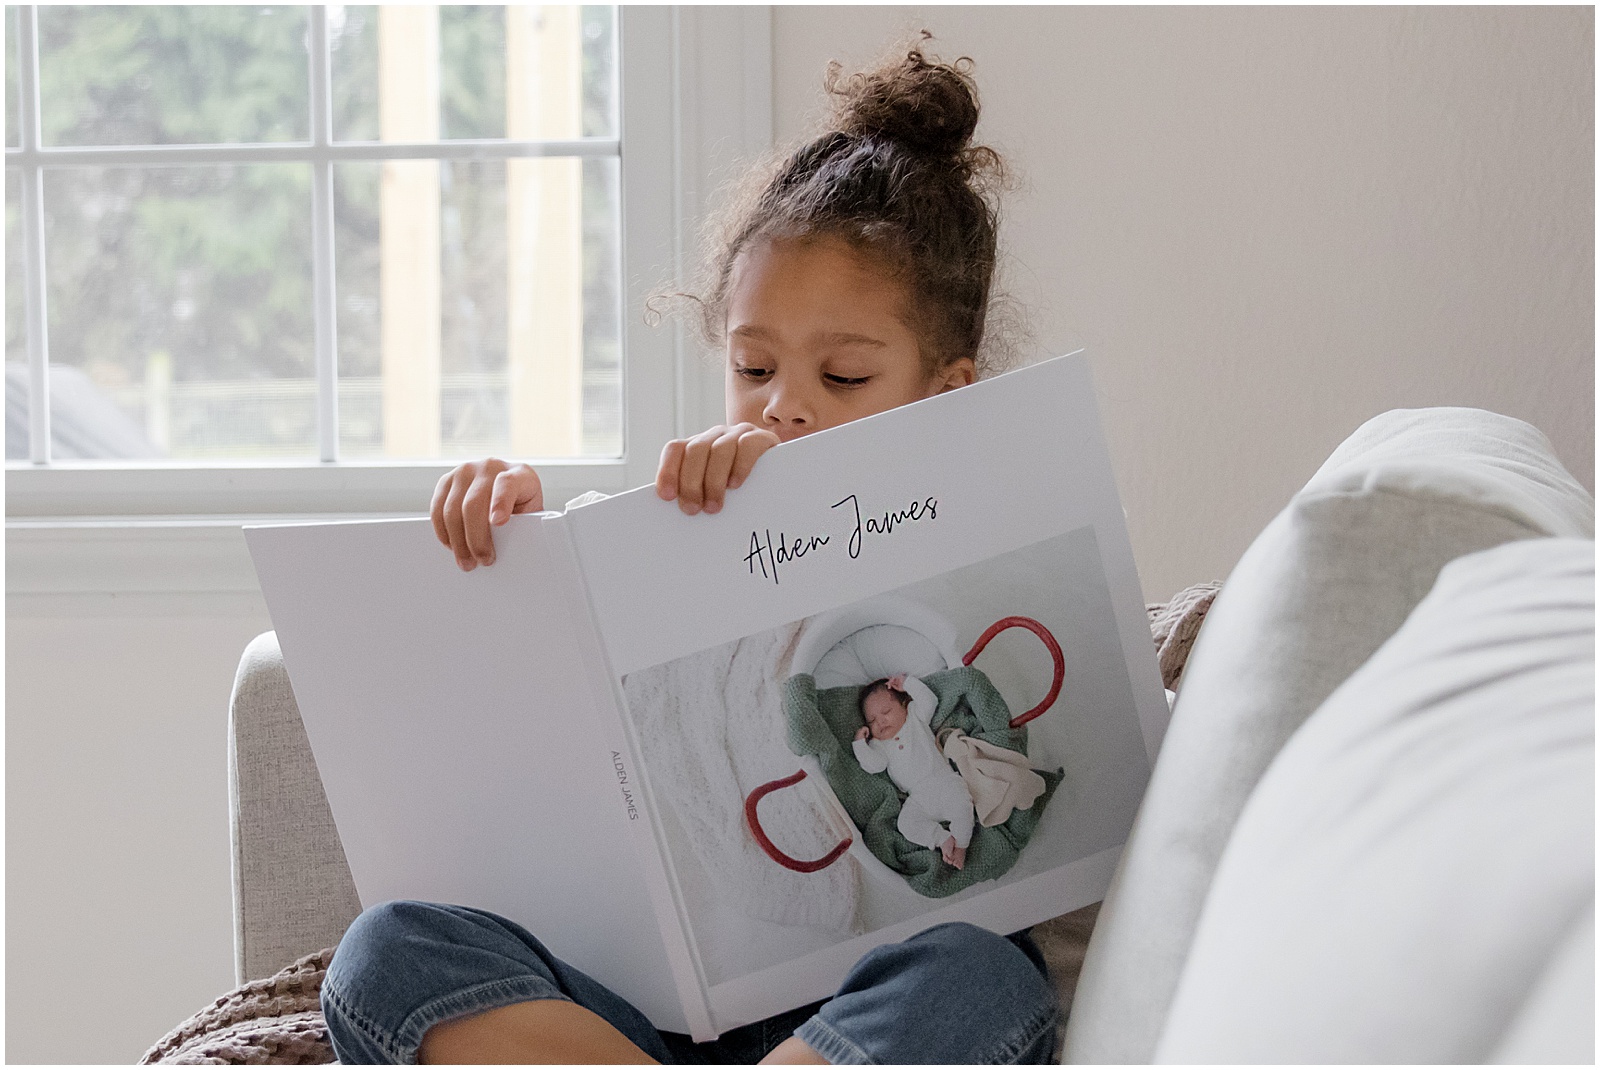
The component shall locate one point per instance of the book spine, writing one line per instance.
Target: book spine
(639, 802)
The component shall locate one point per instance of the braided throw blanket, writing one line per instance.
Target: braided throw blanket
(279, 1020)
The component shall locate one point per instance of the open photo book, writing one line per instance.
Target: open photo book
(904, 677)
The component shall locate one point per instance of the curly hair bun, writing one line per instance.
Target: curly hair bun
(894, 175)
(927, 106)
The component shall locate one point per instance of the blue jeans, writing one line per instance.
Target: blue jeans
(952, 994)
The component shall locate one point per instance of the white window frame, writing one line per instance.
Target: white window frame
(678, 71)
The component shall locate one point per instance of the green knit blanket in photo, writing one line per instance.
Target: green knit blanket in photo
(824, 723)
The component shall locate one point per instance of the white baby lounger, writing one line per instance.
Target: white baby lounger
(854, 646)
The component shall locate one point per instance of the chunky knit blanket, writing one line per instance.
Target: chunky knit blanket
(278, 1020)
(1174, 626)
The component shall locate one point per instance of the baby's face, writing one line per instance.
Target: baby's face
(884, 714)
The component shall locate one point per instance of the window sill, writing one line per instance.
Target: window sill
(118, 557)
(107, 491)
(66, 563)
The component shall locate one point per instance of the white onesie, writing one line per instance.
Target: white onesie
(934, 791)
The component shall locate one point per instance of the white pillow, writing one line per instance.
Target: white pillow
(1324, 585)
(1556, 1024)
(877, 652)
(1422, 848)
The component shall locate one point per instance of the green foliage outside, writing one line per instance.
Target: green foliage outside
(172, 75)
(13, 135)
(207, 269)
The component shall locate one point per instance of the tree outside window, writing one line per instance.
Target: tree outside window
(474, 288)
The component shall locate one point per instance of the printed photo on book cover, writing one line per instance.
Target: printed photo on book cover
(868, 764)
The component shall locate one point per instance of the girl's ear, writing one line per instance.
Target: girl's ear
(958, 373)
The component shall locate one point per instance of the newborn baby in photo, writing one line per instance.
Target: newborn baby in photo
(896, 737)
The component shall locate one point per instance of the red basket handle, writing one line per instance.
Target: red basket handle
(786, 861)
(1049, 641)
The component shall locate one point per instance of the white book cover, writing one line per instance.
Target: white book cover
(634, 734)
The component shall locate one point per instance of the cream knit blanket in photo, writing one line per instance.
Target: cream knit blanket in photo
(711, 728)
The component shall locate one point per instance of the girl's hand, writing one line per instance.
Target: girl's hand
(862, 733)
(476, 495)
(697, 471)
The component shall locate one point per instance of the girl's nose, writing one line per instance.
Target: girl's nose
(789, 408)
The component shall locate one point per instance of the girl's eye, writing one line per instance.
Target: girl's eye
(845, 380)
(755, 374)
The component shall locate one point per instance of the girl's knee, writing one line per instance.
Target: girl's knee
(364, 995)
(385, 936)
(961, 939)
(954, 992)
(387, 921)
(411, 947)
(985, 961)
(962, 954)
(404, 966)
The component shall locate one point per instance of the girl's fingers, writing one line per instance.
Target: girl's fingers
(719, 465)
(441, 491)
(475, 518)
(454, 525)
(530, 495)
(516, 490)
(671, 465)
(472, 497)
(691, 476)
(753, 442)
(697, 472)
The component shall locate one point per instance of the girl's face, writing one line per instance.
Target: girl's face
(817, 338)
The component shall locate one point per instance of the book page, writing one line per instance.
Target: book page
(979, 526)
(458, 738)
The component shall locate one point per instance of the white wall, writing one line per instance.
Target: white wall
(1266, 224)
(118, 910)
(1269, 224)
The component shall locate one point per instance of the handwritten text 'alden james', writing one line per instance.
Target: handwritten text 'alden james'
(769, 554)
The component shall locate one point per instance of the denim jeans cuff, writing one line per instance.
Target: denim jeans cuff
(402, 1045)
(830, 1043)
(1033, 1043)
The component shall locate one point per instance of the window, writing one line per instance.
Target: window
(291, 259)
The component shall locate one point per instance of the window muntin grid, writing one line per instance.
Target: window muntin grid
(30, 165)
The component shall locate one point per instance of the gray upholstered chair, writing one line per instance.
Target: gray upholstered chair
(292, 891)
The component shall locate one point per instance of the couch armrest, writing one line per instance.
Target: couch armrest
(292, 890)
(1321, 588)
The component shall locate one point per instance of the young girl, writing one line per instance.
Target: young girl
(855, 279)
